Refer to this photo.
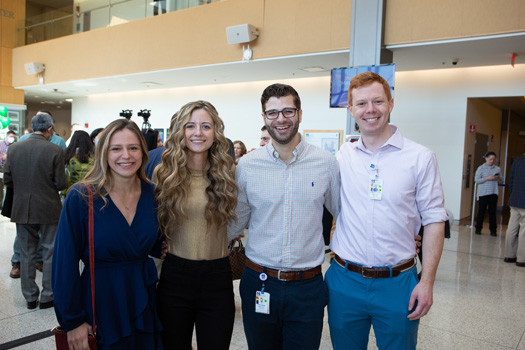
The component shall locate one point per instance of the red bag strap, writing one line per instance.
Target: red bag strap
(92, 253)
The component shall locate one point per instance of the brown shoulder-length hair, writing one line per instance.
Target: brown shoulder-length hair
(99, 177)
(173, 178)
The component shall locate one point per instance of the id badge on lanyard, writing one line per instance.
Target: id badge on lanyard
(376, 184)
(376, 188)
(262, 299)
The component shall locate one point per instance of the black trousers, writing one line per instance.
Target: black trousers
(196, 293)
(491, 201)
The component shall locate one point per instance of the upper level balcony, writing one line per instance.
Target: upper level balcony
(44, 22)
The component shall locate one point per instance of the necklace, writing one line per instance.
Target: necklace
(121, 200)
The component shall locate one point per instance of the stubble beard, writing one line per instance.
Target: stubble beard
(283, 139)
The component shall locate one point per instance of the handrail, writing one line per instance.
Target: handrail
(45, 22)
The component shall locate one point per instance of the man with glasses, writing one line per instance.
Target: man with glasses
(282, 189)
(390, 186)
(265, 137)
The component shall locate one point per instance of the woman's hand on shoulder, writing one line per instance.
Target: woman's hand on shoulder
(77, 338)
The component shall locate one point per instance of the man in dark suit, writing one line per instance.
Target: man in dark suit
(36, 171)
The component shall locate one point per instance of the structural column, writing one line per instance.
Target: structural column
(366, 39)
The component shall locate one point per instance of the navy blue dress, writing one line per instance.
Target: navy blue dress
(125, 276)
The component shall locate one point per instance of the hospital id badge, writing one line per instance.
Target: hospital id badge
(262, 302)
(376, 189)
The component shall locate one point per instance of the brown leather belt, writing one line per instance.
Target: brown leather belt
(285, 275)
(375, 272)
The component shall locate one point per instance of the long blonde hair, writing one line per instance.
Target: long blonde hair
(173, 177)
(99, 177)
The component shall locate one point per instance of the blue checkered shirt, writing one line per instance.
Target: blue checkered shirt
(284, 205)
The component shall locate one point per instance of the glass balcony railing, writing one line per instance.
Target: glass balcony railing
(93, 14)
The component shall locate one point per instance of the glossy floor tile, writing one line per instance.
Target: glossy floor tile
(479, 301)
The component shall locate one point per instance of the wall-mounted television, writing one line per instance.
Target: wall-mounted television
(340, 81)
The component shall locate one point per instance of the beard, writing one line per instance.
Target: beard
(283, 139)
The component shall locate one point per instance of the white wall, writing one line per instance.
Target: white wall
(430, 108)
(238, 105)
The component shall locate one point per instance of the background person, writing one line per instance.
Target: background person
(95, 135)
(196, 196)
(265, 136)
(57, 140)
(487, 177)
(240, 150)
(10, 138)
(515, 236)
(153, 140)
(35, 170)
(79, 158)
(125, 230)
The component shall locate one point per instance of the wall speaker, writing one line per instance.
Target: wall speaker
(243, 33)
(34, 68)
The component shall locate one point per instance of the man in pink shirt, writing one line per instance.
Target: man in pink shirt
(390, 186)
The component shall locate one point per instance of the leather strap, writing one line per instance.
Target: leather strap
(285, 275)
(91, 226)
(375, 272)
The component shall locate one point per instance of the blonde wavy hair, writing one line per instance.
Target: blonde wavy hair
(99, 177)
(173, 177)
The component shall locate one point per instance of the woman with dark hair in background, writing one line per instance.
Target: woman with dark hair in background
(196, 198)
(153, 140)
(125, 233)
(78, 158)
(94, 135)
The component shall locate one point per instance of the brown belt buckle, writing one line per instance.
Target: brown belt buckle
(363, 270)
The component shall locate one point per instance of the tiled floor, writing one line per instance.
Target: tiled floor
(479, 301)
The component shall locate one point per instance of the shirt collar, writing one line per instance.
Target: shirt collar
(296, 152)
(396, 140)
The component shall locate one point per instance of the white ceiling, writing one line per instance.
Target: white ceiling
(469, 52)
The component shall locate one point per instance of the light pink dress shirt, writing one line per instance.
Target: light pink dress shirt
(381, 232)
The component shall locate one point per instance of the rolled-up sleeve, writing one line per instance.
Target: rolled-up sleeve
(429, 198)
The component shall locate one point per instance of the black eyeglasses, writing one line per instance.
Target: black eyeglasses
(287, 113)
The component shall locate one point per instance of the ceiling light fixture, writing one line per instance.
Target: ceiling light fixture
(314, 69)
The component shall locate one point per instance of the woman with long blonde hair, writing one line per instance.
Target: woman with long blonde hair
(125, 232)
(196, 198)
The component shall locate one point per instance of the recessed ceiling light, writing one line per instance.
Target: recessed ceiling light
(314, 69)
(69, 100)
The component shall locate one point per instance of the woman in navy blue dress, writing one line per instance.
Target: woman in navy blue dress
(125, 233)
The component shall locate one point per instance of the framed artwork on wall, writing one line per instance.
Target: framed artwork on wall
(329, 140)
